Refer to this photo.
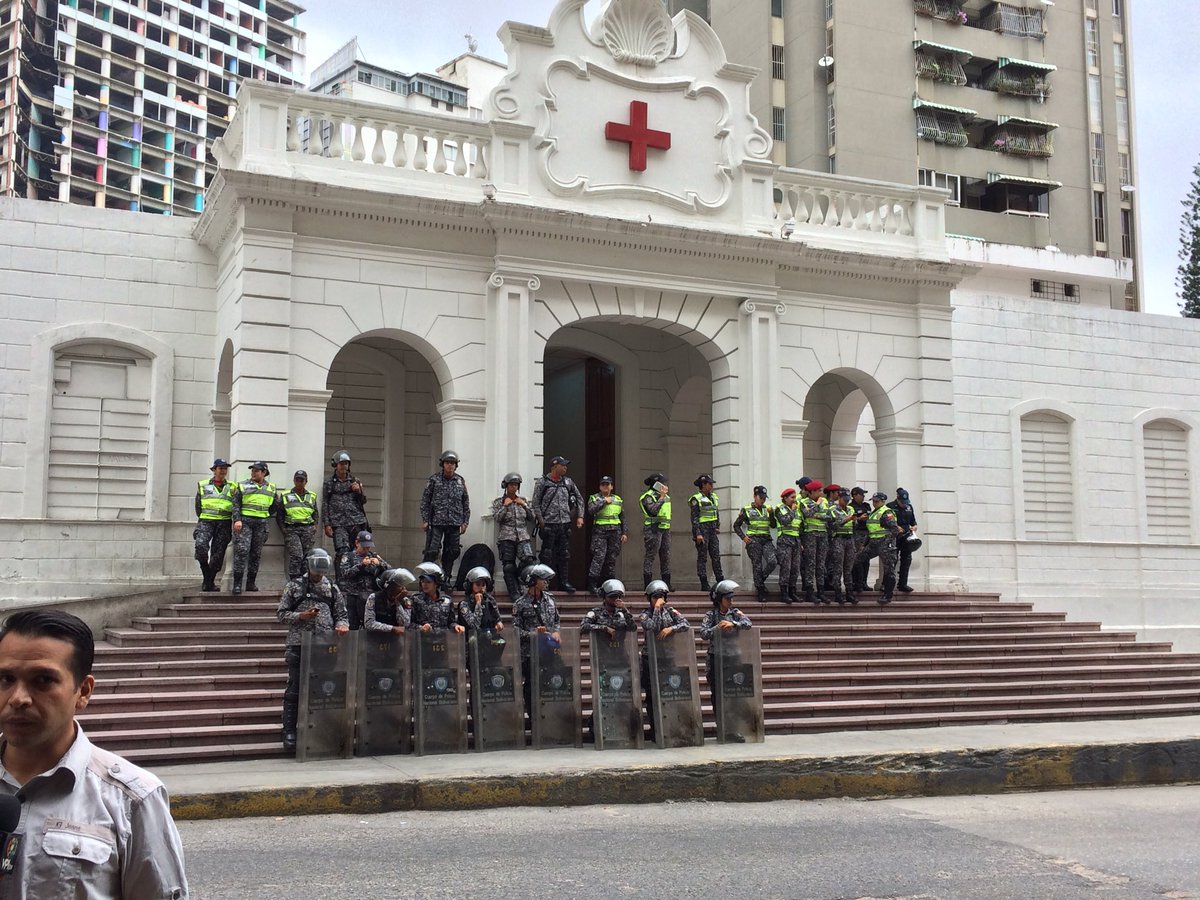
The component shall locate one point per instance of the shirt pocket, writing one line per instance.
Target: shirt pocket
(68, 844)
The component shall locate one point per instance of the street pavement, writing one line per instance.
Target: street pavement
(1115, 843)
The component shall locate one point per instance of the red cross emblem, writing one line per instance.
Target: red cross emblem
(637, 135)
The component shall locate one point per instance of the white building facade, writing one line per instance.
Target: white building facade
(574, 285)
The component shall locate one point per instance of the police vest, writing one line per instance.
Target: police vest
(216, 503)
(610, 513)
(663, 519)
(846, 527)
(875, 527)
(820, 521)
(758, 521)
(386, 611)
(257, 498)
(707, 504)
(792, 528)
(298, 508)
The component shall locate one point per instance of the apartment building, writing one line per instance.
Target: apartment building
(1024, 113)
(114, 103)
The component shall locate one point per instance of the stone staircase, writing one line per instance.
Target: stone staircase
(203, 680)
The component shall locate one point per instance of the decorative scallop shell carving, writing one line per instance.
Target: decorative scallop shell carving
(638, 31)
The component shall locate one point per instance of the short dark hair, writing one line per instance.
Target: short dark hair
(63, 626)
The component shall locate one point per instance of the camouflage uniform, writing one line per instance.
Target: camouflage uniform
(439, 613)
(300, 596)
(705, 506)
(788, 548)
(343, 510)
(842, 553)
(446, 507)
(653, 621)
(709, 625)
(557, 504)
(212, 536)
(382, 614)
(861, 508)
(884, 547)
(815, 537)
(299, 532)
(600, 618)
(514, 540)
(484, 617)
(248, 543)
(360, 582)
(748, 524)
(656, 539)
(606, 539)
(528, 614)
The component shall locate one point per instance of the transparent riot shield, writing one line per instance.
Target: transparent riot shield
(673, 690)
(384, 708)
(737, 687)
(555, 709)
(325, 728)
(616, 691)
(439, 693)
(497, 698)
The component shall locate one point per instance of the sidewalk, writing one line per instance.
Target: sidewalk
(974, 759)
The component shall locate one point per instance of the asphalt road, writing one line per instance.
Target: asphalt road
(1136, 842)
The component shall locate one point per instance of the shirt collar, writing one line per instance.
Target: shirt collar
(74, 762)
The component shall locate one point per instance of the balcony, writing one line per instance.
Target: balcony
(1016, 136)
(946, 10)
(1019, 78)
(941, 63)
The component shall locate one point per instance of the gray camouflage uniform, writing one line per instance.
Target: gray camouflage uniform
(446, 507)
(711, 548)
(381, 612)
(529, 613)
(655, 541)
(344, 510)
(709, 625)
(842, 553)
(439, 613)
(816, 547)
(757, 548)
(606, 543)
(248, 543)
(600, 618)
(300, 596)
(557, 504)
(359, 583)
(514, 540)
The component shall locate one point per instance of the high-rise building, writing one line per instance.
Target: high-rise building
(114, 103)
(1024, 113)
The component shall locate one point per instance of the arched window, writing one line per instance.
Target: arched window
(99, 435)
(1168, 487)
(1046, 480)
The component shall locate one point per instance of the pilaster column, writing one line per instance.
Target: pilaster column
(762, 429)
(512, 422)
(843, 463)
(463, 427)
(306, 435)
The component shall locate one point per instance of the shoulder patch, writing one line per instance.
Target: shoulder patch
(136, 782)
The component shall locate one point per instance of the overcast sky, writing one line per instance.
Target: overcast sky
(412, 36)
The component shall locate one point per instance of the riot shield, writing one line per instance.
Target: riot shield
(737, 687)
(555, 714)
(439, 693)
(325, 728)
(616, 691)
(384, 707)
(497, 699)
(673, 690)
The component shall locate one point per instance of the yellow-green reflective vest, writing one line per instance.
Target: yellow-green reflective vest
(610, 513)
(707, 504)
(792, 528)
(257, 498)
(298, 509)
(819, 522)
(758, 521)
(216, 503)
(663, 519)
(846, 527)
(875, 527)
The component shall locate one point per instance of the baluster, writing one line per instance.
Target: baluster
(906, 222)
(315, 145)
(480, 169)
(421, 158)
(832, 215)
(378, 152)
(293, 134)
(358, 150)
(892, 220)
(336, 145)
(439, 152)
(787, 209)
(460, 162)
(816, 215)
(400, 154)
(868, 204)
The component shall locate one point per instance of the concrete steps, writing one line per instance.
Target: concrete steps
(203, 679)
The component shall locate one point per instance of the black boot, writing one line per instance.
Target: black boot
(567, 586)
(237, 583)
(208, 586)
(785, 595)
(762, 594)
(810, 597)
(889, 585)
(291, 711)
(704, 583)
(591, 587)
(851, 599)
(667, 579)
(251, 582)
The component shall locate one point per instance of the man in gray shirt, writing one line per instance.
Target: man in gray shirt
(557, 502)
(92, 825)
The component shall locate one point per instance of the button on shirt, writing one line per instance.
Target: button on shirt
(94, 827)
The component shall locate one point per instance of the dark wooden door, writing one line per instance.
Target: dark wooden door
(600, 450)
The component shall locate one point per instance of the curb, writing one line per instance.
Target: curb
(875, 776)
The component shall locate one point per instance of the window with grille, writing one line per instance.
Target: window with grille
(99, 434)
(1097, 157)
(831, 120)
(1062, 291)
(1049, 501)
(1127, 233)
(1119, 75)
(1091, 33)
(778, 124)
(1126, 168)
(776, 61)
(1168, 488)
(1098, 217)
(828, 10)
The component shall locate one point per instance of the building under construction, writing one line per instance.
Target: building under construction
(114, 104)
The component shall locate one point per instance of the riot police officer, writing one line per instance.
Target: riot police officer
(389, 609)
(656, 527)
(515, 524)
(753, 526)
(432, 609)
(343, 509)
(445, 512)
(608, 533)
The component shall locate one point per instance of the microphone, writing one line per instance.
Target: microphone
(10, 813)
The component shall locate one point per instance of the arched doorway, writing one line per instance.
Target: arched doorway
(626, 399)
(843, 408)
(223, 402)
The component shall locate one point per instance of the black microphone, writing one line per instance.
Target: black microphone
(10, 813)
